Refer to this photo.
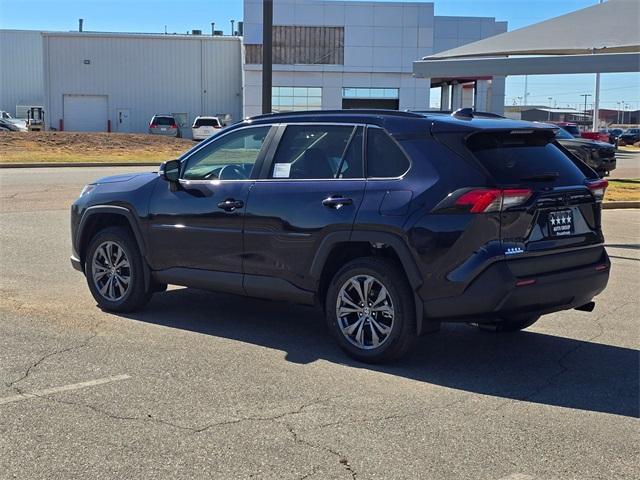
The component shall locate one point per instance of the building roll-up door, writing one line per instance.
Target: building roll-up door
(85, 113)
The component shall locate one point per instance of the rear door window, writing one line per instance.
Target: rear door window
(319, 152)
(514, 158)
(385, 159)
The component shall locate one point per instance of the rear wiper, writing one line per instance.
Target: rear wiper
(542, 177)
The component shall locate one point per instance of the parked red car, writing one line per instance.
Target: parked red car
(597, 136)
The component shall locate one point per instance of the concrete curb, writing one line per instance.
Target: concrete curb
(614, 205)
(79, 164)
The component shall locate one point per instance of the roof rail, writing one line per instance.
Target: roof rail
(358, 111)
(450, 112)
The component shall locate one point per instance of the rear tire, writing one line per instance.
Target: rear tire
(115, 272)
(508, 325)
(378, 320)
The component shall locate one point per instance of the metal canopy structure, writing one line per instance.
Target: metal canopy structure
(604, 38)
(610, 27)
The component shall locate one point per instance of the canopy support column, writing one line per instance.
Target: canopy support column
(480, 94)
(456, 96)
(445, 97)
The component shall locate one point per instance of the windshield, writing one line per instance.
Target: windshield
(563, 134)
(572, 129)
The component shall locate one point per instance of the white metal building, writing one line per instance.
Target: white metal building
(21, 79)
(328, 54)
(97, 81)
(364, 57)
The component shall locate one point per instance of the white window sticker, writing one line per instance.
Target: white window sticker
(281, 170)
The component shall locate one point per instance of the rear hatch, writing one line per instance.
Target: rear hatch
(206, 126)
(557, 205)
(547, 201)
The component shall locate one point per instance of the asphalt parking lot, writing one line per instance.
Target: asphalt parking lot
(203, 385)
(627, 165)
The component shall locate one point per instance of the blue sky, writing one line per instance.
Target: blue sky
(183, 15)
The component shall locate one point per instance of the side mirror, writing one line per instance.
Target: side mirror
(171, 170)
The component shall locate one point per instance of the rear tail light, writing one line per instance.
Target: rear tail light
(173, 125)
(597, 188)
(153, 125)
(482, 200)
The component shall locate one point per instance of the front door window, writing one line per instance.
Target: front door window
(231, 157)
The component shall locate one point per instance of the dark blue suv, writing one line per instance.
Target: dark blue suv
(392, 222)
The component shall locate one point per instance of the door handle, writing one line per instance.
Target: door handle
(336, 202)
(230, 204)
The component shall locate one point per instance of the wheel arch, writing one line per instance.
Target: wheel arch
(360, 243)
(98, 217)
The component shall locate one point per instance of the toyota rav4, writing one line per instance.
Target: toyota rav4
(391, 222)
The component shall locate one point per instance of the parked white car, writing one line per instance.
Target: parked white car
(20, 124)
(204, 127)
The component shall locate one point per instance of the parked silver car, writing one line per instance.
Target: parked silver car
(164, 125)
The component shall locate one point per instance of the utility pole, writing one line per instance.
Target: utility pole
(549, 116)
(526, 80)
(267, 55)
(585, 95)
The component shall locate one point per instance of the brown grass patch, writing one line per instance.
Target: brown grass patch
(59, 147)
(623, 190)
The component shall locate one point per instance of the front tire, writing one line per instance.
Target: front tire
(370, 310)
(114, 271)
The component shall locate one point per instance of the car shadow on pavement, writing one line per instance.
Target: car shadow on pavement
(529, 366)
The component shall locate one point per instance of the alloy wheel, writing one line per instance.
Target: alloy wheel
(111, 271)
(365, 312)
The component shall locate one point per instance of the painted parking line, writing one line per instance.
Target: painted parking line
(64, 388)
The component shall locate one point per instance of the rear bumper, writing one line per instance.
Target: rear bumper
(496, 292)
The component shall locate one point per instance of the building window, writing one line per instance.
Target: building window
(302, 45)
(296, 99)
(382, 93)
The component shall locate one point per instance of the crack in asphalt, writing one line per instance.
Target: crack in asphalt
(343, 460)
(396, 416)
(85, 343)
(151, 418)
(313, 471)
(548, 382)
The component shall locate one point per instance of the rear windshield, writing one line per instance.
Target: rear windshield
(206, 122)
(572, 129)
(163, 120)
(523, 158)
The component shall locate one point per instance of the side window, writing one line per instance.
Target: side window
(230, 157)
(319, 151)
(384, 157)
